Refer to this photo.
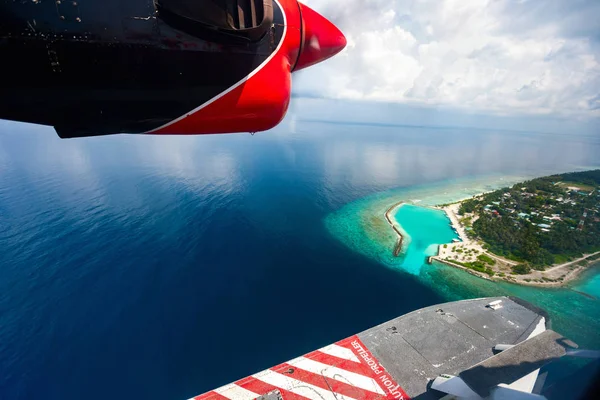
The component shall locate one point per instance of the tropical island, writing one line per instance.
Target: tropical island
(539, 232)
(421, 215)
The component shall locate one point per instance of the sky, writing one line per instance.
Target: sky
(528, 60)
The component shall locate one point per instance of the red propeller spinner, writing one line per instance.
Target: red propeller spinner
(321, 40)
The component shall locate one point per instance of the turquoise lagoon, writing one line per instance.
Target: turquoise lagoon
(425, 229)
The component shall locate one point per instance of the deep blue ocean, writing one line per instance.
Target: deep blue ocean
(162, 267)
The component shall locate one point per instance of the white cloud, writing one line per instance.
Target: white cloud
(519, 56)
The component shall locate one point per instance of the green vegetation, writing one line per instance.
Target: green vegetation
(466, 222)
(486, 259)
(468, 206)
(561, 258)
(539, 222)
(447, 204)
(521, 269)
(476, 266)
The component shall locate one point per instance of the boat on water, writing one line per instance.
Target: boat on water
(487, 348)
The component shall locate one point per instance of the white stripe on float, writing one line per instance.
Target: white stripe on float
(340, 352)
(297, 387)
(235, 392)
(351, 378)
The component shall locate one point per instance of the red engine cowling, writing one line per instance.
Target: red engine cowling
(260, 100)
